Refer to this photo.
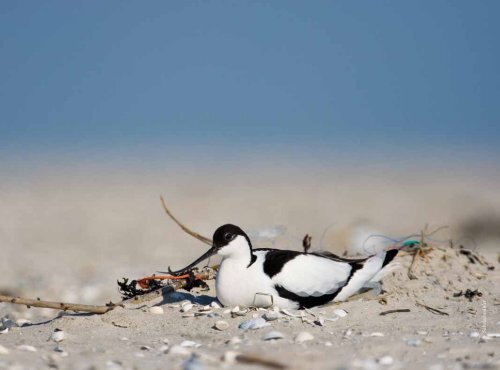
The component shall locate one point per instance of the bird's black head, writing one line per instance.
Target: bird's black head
(227, 233)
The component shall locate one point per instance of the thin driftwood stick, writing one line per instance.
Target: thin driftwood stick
(171, 287)
(58, 305)
(194, 234)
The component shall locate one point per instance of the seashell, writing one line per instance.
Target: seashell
(340, 312)
(235, 309)
(221, 325)
(234, 340)
(205, 308)
(386, 360)
(156, 310)
(253, 324)
(414, 342)
(273, 335)
(303, 336)
(190, 344)
(215, 305)
(422, 332)
(186, 307)
(27, 348)
(271, 316)
(328, 344)
(375, 334)
(3, 350)
(163, 348)
(57, 336)
(179, 351)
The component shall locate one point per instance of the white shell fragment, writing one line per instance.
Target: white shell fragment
(190, 344)
(27, 348)
(179, 351)
(57, 336)
(273, 335)
(3, 350)
(375, 334)
(186, 307)
(221, 325)
(386, 360)
(253, 324)
(303, 336)
(156, 310)
(340, 312)
(215, 305)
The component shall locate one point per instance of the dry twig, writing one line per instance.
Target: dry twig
(194, 234)
(59, 305)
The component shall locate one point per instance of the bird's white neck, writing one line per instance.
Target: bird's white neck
(238, 251)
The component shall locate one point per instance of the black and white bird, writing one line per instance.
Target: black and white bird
(285, 278)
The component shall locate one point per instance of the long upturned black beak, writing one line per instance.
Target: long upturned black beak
(186, 269)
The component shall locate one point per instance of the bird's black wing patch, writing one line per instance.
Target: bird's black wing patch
(275, 259)
(305, 302)
(389, 256)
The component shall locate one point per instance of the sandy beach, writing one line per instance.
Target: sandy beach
(70, 238)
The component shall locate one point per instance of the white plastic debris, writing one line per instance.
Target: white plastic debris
(273, 335)
(27, 348)
(3, 350)
(253, 324)
(156, 310)
(57, 336)
(340, 312)
(221, 325)
(303, 336)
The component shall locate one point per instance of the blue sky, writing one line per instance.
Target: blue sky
(226, 77)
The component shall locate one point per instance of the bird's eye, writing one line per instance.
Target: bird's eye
(228, 236)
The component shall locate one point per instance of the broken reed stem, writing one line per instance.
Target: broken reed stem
(258, 360)
(194, 234)
(58, 305)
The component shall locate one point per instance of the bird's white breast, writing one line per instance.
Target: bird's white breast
(240, 284)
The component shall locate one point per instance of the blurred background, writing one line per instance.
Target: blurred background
(284, 117)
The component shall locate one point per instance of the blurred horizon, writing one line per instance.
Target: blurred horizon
(328, 83)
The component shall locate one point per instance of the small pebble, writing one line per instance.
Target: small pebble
(3, 350)
(340, 312)
(273, 335)
(303, 336)
(145, 348)
(27, 348)
(386, 360)
(474, 334)
(414, 342)
(221, 325)
(422, 332)
(156, 310)
(22, 322)
(57, 336)
(328, 344)
(253, 324)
